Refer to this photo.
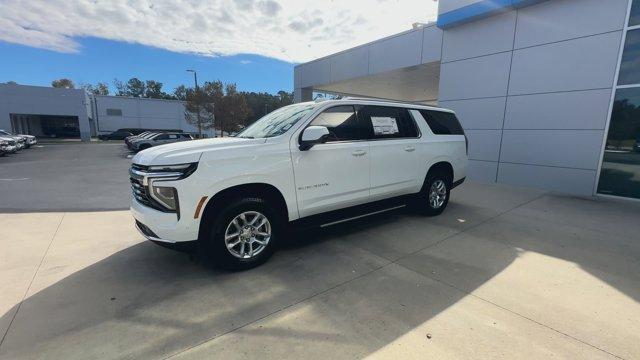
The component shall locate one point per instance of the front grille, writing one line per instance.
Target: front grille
(140, 193)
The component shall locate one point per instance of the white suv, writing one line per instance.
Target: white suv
(309, 163)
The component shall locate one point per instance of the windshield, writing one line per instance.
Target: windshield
(277, 122)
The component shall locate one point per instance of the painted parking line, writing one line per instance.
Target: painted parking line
(19, 179)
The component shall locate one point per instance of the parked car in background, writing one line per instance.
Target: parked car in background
(25, 140)
(8, 145)
(159, 139)
(308, 163)
(116, 135)
(145, 135)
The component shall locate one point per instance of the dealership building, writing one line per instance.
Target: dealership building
(548, 91)
(73, 113)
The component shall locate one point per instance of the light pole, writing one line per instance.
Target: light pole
(196, 98)
(195, 77)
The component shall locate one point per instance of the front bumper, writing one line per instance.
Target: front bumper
(164, 227)
(10, 149)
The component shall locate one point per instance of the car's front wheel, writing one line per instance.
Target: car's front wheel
(242, 235)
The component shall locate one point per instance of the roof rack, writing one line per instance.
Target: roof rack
(386, 100)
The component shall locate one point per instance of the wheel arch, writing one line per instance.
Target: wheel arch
(443, 166)
(258, 189)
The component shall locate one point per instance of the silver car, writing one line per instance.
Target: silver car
(26, 140)
(159, 139)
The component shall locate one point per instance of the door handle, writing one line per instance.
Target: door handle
(409, 148)
(358, 152)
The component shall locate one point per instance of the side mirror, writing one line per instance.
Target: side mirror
(313, 135)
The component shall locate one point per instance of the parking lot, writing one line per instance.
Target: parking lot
(505, 272)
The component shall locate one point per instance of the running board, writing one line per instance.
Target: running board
(361, 216)
(352, 213)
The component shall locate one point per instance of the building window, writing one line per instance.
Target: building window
(629, 69)
(634, 17)
(620, 173)
(114, 112)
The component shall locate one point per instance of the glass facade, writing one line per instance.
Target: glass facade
(629, 69)
(620, 174)
(620, 170)
(634, 17)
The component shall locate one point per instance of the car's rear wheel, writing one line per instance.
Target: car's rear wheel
(434, 196)
(242, 235)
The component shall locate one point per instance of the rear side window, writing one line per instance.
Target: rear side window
(442, 123)
(386, 122)
(342, 123)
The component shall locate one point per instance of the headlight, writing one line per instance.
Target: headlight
(166, 196)
(154, 179)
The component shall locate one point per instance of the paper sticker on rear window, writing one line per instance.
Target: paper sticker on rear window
(384, 125)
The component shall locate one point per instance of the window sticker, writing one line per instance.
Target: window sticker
(384, 125)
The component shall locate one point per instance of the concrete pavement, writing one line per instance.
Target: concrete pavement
(505, 272)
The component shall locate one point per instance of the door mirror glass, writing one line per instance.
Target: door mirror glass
(313, 135)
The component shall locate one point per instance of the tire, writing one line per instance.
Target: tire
(215, 251)
(429, 200)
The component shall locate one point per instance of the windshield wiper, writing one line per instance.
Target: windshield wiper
(246, 137)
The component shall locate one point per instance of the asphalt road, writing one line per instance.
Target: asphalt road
(65, 177)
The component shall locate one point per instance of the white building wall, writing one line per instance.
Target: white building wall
(140, 113)
(554, 83)
(410, 48)
(36, 100)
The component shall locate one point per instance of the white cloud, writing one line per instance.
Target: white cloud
(245, 62)
(290, 30)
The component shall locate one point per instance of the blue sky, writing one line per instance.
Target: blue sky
(104, 60)
(253, 43)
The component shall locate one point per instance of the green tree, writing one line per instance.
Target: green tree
(181, 92)
(263, 103)
(135, 87)
(153, 90)
(63, 84)
(97, 89)
(233, 110)
(199, 110)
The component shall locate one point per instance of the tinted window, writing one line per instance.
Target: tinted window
(342, 123)
(385, 122)
(114, 112)
(161, 137)
(442, 123)
(620, 174)
(629, 69)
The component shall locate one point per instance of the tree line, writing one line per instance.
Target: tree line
(214, 104)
